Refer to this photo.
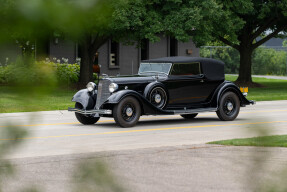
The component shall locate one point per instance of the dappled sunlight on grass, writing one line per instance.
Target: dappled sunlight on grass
(274, 89)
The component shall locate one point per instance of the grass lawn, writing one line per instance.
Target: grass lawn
(267, 141)
(57, 100)
(61, 99)
(274, 89)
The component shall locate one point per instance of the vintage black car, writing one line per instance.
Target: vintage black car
(164, 86)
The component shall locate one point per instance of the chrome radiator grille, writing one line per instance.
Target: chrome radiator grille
(103, 92)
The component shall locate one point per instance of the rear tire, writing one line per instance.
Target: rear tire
(85, 119)
(229, 107)
(127, 112)
(189, 116)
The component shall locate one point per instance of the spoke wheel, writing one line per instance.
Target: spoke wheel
(127, 112)
(158, 97)
(85, 119)
(229, 107)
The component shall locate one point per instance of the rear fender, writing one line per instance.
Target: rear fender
(86, 98)
(225, 87)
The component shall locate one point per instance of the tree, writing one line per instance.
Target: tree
(89, 22)
(80, 20)
(130, 21)
(241, 24)
(261, 21)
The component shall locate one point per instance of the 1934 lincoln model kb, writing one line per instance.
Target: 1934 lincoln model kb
(164, 86)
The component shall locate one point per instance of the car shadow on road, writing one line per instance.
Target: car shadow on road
(162, 122)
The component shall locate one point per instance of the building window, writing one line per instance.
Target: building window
(144, 49)
(114, 54)
(173, 46)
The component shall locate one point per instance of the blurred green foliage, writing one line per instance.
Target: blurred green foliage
(63, 74)
(9, 139)
(265, 61)
(94, 175)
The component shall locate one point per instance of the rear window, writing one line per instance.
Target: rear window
(185, 69)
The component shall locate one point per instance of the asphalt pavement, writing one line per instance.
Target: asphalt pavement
(162, 153)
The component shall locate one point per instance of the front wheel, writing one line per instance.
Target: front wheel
(127, 112)
(229, 107)
(85, 119)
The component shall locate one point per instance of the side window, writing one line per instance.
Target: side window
(185, 69)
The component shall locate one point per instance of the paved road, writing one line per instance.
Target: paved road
(161, 153)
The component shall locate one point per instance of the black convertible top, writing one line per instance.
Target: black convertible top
(211, 68)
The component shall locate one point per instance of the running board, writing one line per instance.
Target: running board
(191, 111)
(90, 112)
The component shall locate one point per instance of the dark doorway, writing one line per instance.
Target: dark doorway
(144, 49)
(173, 47)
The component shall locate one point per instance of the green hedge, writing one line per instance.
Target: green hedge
(265, 61)
(17, 72)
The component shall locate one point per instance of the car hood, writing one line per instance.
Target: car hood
(132, 79)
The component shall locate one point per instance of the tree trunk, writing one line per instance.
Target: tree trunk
(88, 47)
(245, 78)
(86, 70)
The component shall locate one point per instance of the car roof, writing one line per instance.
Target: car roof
(182, 59)
(213, 69)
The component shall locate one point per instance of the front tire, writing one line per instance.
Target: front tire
(189, 116)
(127, 112)
(85, 119)
(229, 107)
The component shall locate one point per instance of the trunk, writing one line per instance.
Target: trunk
(88, 47)
(86, 70)
(244, 77)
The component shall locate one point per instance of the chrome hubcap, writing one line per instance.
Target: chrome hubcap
(157, 98)
(229, 106)
(129, 112)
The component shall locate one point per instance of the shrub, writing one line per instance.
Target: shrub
(265, 61)
(17, 72)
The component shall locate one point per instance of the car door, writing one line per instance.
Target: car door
(187, 85)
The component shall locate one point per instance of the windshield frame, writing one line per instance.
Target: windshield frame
(157, 72)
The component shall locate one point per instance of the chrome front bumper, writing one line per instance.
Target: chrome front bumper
(91, 112)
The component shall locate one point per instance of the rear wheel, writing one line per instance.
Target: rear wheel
(229, 107)
(85, 119)
(189, 116)
(127, 112)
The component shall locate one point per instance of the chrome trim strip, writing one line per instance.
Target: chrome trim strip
(190, 111)
(90, 112)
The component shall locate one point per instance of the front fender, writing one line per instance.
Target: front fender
(86, 98)
(147, 107)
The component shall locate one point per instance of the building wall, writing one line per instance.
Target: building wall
(183, 47)
(10, 52)
(129, 56)
(63, 49)
(129, 59)
(159, 49)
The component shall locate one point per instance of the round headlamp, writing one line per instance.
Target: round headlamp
(113, 87)
(91, 86)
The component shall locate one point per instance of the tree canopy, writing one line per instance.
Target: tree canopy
(237, 23)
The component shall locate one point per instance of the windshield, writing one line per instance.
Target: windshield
(155, 68)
